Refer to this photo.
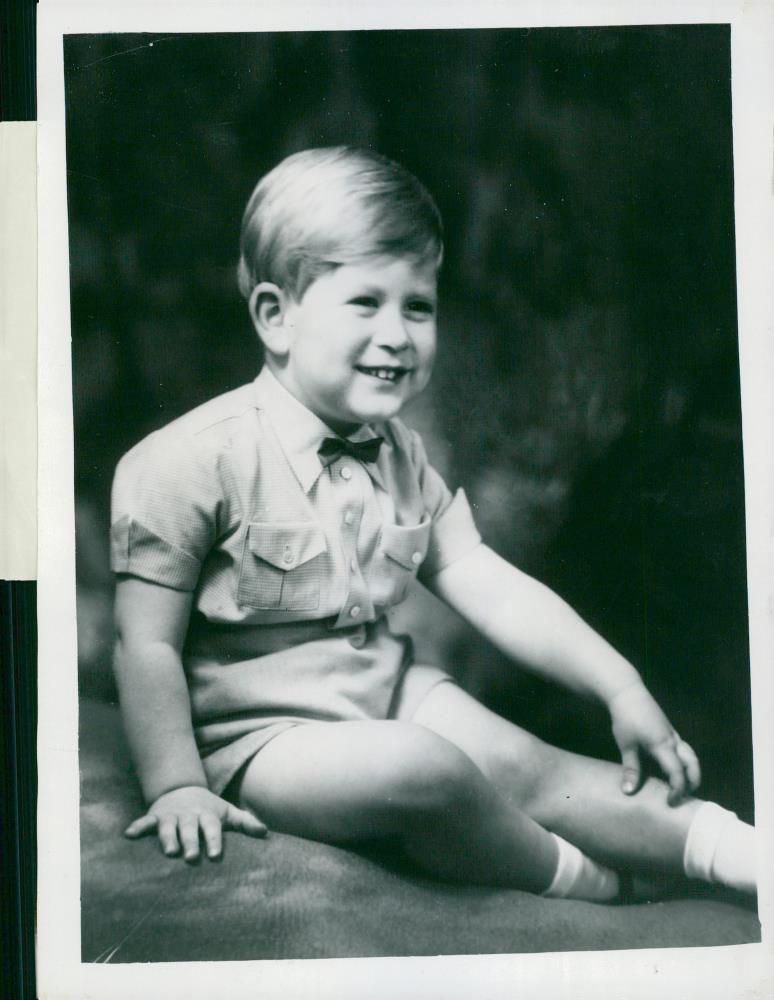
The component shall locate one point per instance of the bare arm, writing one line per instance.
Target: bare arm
(151, 622)
(531, 624)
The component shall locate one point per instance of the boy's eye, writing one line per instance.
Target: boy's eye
(422, 306)
(364, 301)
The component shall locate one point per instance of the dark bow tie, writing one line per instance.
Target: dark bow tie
(364, 451)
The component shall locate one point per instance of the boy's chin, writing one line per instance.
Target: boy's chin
(378, 414)
(375, 405)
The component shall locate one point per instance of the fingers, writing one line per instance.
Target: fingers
(168, 839)
(180, 833)
(690, 762)
(639, 724)
(681, 766)
(181, 827)
(672, 766)
(244, 822)
(630, 781)
(188, 832)
(167, 831)
(141, 826)
(676, 759)
(213, 835)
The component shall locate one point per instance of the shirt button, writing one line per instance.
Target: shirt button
(416, 558)
(346, 472)
(354, 611)
(353, 565)
(349, 517)
(287, 556)
(358, 638)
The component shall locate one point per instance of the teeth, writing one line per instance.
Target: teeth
(385, 374)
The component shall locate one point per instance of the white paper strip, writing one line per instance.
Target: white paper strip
(18, 351)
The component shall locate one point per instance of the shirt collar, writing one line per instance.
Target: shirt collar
(299, 431)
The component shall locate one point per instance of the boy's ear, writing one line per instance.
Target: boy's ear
(268, 305)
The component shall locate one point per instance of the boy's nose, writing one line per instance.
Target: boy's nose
(393, 333)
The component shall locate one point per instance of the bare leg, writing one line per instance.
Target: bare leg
(340, 782)
(577, 797)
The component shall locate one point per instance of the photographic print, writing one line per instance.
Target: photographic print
(409, 496)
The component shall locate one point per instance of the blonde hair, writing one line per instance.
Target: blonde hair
(325, 207)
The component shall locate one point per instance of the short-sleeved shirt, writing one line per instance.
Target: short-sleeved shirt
(292, 564)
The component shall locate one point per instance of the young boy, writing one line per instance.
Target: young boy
(259, 542)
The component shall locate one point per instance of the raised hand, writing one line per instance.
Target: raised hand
(185, 816)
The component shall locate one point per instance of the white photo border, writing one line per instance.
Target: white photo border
(709, 972)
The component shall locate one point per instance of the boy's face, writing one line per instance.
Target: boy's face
(361, 340)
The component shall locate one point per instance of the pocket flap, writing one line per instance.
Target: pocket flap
(286, 545)
(407, 545)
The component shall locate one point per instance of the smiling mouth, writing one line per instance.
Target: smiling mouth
(384, 374)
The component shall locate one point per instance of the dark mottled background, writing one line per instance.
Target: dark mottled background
(587, 390)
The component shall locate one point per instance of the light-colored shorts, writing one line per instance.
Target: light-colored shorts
(396, 694)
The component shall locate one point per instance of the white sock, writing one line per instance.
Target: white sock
(721, 848)
(578, 877)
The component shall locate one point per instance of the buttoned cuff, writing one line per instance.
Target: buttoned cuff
(136, 550)
(454, 534)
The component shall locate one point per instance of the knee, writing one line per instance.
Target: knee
(429, 776)
(524, 768)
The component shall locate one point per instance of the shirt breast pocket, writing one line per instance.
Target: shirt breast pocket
(404, 548)
(281, 568)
